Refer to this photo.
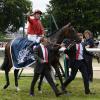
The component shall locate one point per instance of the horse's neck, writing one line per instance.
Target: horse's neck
(57, 37)
(53, 38)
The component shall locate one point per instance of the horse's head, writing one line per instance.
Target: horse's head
(68, 32)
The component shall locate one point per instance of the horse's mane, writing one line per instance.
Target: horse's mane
(64, 32)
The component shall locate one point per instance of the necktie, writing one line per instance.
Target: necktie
(78, 51)
(46, 54)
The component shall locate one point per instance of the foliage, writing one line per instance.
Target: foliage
(2, 37)
(12, 13)
(48, 23)
(76, 87)
(83, 14)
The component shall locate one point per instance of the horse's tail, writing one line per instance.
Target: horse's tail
(7, 64)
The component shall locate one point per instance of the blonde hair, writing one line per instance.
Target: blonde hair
(89, 32)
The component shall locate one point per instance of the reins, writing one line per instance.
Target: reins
(71, 44)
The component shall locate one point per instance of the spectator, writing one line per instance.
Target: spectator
(89, 43)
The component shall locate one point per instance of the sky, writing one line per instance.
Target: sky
(40, 4)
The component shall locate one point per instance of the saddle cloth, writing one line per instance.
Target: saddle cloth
(22, 53)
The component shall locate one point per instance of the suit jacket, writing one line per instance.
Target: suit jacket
(38, 54)
(72, 52)
(39, 57)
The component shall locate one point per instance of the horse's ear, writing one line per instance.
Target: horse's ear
(68, 24)
(71, 27)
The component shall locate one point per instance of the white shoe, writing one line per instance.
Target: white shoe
(17, 88)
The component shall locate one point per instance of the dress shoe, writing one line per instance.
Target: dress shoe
(39, 90)
(63, 89)
(91, 93)
(31, 94)
(90, 79)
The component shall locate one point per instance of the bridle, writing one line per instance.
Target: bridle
(70, 43)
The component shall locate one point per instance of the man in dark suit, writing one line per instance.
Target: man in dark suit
(54, 62)
(77, 62)
(43, 67)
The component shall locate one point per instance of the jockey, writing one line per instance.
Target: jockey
(35, 28)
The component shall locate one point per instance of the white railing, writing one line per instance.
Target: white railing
(88, 49)
(93, 49)
(2, 48)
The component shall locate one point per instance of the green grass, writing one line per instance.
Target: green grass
(3, 38)
(76, 87)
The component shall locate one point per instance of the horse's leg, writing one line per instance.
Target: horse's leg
(40, 82)
(53, 74)
(58, 73)
(98, 57)
(61, 68)
(60, 78)
(66, 67)
(16, 78)
(6, 67)
(7, 79)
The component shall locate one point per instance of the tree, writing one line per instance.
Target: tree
(13, 12)
(48, 23)
(83, 14)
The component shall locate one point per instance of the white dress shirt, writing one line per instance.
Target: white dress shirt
(80, 57)
(43, 51)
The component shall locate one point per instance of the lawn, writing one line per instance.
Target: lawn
(76, 87)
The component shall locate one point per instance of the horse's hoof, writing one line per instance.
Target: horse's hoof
(18, 89)
(5, 86)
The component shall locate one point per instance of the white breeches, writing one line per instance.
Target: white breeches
(34, 38)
